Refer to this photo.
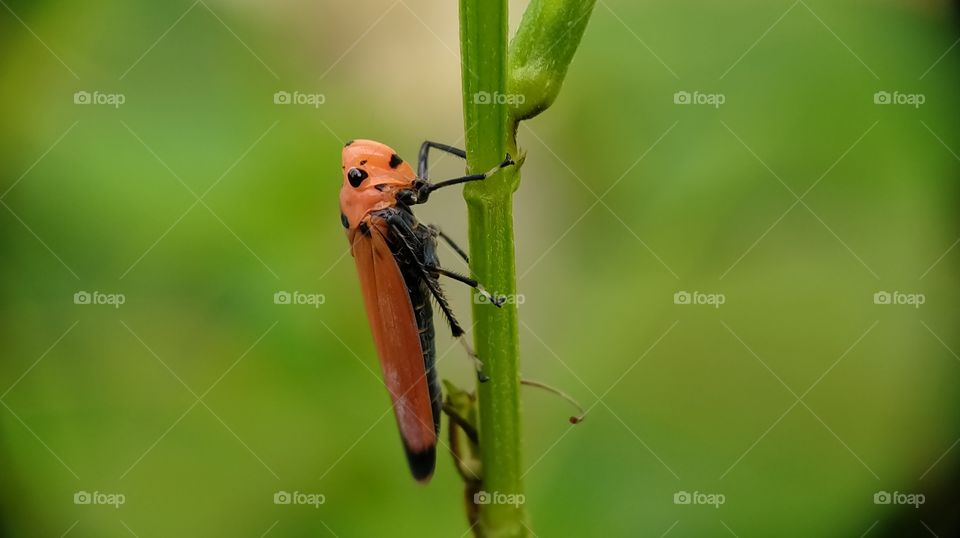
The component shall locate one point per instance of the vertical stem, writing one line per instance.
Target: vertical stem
(496, 337)
(489, 136)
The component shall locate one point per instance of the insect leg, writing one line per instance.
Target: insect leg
(425, 189)
(403, 232)
(455, 327)
(422, 167)
(496, 301)
(448, 240)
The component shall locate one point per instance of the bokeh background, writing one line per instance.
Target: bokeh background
(199, 198)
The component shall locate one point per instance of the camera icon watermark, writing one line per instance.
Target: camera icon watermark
(299, 498)
(99, 498)
(297, 98)
(99, 98)
(98, 298)
(899, 498)
(916, 100)
(487, 98)
(299, 298)
(699, 298)
(716, 100)
(699, 498)
(899, 298)
(496, 497)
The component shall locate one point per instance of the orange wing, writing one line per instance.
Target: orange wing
(397, 340)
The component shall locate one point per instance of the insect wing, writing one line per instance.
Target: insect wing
(397, 339)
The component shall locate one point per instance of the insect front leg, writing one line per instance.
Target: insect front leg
(455, 328)
(423, 162)
(423, 185)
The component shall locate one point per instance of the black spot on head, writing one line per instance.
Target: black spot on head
(356, 176)
(395, 161)
(344, 221)
(347, 145)
(363, 162)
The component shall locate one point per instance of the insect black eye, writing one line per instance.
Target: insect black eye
(356, 176)
(344, 221)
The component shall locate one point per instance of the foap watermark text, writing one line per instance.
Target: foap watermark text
(699, 498)
(99, 498)
(899, 498)
(496, 497)
(487, 98)
(699, 298)
(897, 98)
(699, 98)
(299, 298)
(899, 298)
(298, 98)
(99, 298)
(500, 299)
(99, 98)
(299, 498)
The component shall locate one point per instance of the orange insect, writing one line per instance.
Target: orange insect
(396, 259)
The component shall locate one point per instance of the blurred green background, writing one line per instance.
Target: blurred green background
(694, 198)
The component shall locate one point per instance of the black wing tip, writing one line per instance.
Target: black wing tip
(421, 463)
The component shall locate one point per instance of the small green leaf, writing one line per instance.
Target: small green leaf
(541, 52)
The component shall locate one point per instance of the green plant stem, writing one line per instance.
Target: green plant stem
(534, 67)
(497, 341)
(483, 38)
